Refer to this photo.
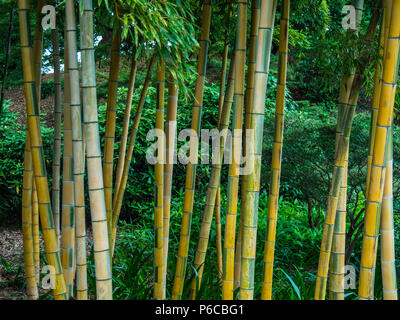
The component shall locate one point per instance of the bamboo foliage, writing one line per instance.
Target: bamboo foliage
(159, 289)
(263, 50)
(248, 100)
(170, 153)
(276, 163)
(380, 153)
(46, 216)
(191, 167)
(93, 157)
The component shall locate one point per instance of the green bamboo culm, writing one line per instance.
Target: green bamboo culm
(109, 138)
(277, 147)
(249, 236)
(125, 129)
(68, 197)
(117, 205)
(186, 223)
(102, 255)
(46, 215)
(57, 133)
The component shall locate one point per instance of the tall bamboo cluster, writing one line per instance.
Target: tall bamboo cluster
(337, 260)
(340, 156)
(249, 231)
(39, 172)
(184, 239)
(248, 99)
(381, 153)
(269, 246)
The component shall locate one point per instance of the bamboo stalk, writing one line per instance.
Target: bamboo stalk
(78, 156)
(213, 184)
(276, 163)
(108, 161)
(132, 138)
(339, 165)
(337, 260)
(170, 132)
(68, 198)
(46, 216)
(159, 289)
(263, 50)
(377, 180)
(57, 133)
(389, 278)
(191, 167)
(35, 230)
(102, 255)
(248, 101)
(218, 230)
(234, 168)
(125, 129)
(29, 261)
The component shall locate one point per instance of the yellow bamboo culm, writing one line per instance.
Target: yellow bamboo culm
(254, 152)
(159, 289)
(277, 146)
(186, 223)
(377, 177)
(46, 216)
(248, 101)
(170, 154)
(234, 168)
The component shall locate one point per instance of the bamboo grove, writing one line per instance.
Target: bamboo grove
(81, 165)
